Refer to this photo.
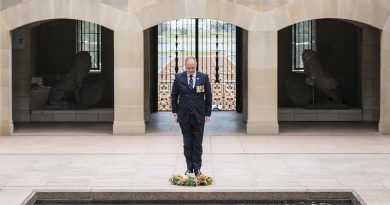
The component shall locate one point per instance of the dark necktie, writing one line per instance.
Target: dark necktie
(191, 82)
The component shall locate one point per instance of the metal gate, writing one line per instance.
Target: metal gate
(213, 43)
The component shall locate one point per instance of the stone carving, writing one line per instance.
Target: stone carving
(75, 90)
(318, 78)
(91, 91)
(297, 90)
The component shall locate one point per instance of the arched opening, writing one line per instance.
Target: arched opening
(218, 47)
(338, 81)
(62, 78)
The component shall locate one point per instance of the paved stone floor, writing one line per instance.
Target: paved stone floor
(321, 157)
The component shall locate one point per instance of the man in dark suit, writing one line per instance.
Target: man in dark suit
(191, 107)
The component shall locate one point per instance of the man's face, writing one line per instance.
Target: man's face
(191, 66)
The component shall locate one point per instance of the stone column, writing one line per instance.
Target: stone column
(128, 83)
(6, 124)
(244, 75)
(21, 74)
(384, 121)
(370, 74)
(262, 83)
(147, 70)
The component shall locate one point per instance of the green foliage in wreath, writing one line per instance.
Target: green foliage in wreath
(201, 180)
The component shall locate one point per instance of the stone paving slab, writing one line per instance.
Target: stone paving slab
(213, 144)
(23, 173)
(238, 162)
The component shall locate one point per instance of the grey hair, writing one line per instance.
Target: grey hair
(189, 58)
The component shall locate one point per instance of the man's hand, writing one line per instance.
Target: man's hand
(175, 117)
(207, 118)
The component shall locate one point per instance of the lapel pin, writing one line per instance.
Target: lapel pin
(197, 78)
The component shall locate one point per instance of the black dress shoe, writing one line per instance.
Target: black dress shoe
(197, 172)
(189, 171)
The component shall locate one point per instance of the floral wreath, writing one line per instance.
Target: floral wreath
(201, 180)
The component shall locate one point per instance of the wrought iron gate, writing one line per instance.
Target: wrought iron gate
(213, 43)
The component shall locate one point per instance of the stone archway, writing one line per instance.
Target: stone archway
(29, 12)
(227, 81)
(370, 13)
(45, 52)
(349, 52)
(229, 12)
(263, 53)
(162, 11)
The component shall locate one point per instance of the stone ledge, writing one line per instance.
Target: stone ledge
(300, 114)
(93, 115)
(193, 194)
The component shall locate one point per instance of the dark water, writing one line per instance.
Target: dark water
(317, 202)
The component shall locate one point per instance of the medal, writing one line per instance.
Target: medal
(200, 88)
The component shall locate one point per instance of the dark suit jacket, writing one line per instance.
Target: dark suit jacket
(184, 98)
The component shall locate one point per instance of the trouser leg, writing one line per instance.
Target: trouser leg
(187, 141)
(197, 149)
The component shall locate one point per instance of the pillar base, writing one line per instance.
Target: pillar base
(370, 115)
(6, 128)
(384, 128)
(262, 128)
(128, 128)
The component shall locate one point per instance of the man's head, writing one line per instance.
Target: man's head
(190, 64)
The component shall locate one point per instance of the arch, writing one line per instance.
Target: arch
(39, 10)
(366, 12)
(344, 48)
(163, 11)
(28, 12)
